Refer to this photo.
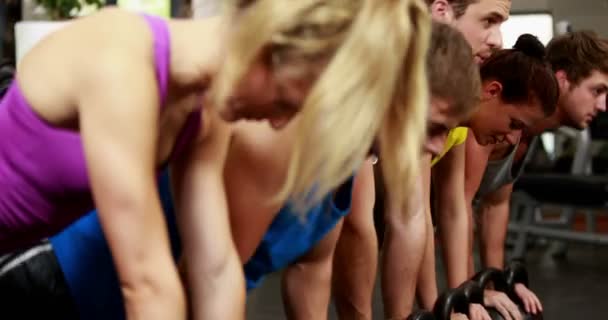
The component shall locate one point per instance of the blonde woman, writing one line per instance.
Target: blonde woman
(99, 107)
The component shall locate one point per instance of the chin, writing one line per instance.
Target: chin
(578, 122)
(581, 125)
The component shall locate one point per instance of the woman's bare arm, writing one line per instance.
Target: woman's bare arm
(118, 125)
(451, 213)
(476, 161)
(213, 269)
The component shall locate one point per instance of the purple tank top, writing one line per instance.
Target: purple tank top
(44, 184)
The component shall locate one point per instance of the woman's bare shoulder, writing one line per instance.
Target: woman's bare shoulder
(104, 41)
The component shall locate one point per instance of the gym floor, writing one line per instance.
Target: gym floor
(574, 287)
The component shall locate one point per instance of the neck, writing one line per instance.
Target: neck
(197, 48)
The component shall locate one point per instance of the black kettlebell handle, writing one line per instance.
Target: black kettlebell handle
(458, 300)
(473, 291)
(515, 273)
(494, 276)
(448, 301)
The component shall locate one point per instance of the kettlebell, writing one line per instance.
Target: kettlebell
(515, 273)
(497, 278)
(457, 300)
(505, 282)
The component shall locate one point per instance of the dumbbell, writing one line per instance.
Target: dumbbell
(505, 282)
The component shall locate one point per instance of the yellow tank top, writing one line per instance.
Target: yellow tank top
(456, 136)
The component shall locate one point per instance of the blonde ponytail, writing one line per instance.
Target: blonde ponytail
(374, 87)
(404, 129)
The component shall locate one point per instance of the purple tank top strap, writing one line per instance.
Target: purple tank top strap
(162, 53)
(162, 57)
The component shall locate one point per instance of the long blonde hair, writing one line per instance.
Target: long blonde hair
(373, 87)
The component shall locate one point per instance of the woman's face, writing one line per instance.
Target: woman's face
(267, 93)
(498, 122)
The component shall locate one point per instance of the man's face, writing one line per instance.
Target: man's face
(480, 25)
(581, 103)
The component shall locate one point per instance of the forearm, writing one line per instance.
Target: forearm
(494, 220)
(306, 290)
(162, 298)
(426, 289)
(148, 277)
(404, 249)
(451, 213)
(217, 292)
(471, 238)
(355, 264)
(453, 234)
(151, 287)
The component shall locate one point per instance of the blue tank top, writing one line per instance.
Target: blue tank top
(289, 237)
(86, 262)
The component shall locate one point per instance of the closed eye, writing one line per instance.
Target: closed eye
(517, 124)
